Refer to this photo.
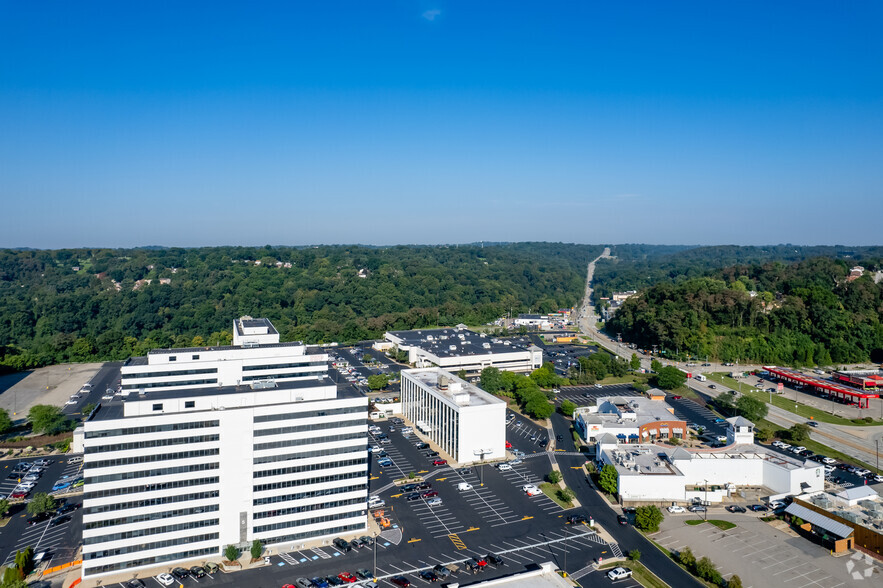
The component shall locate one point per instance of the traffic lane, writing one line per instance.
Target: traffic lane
(626, 536)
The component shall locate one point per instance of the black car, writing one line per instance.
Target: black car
(735, 508)
(758, 508)
(412, 496)
(429, 576)
(364, 574)
(39, 518)
(64, 509)
(334, 581)
(494, 559)
(622, 520)
(409, 487)
(559, 438)
(424, 486)
(197, 572)
(422, 445)
(342, 544)
(471, 566)
(136, 583)
(358, 543)
(60, 520)
(180, 573)
(401, 581)
(431, 454)
(576, 519)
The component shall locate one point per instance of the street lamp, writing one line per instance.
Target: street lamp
(706, 500)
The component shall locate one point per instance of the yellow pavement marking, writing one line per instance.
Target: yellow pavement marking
(440, 479)
(374, 478)
(395, 495)
(457, 542)
(423, 472)
(525, 518)
(473, 528)
(576, 467)
(414, 540)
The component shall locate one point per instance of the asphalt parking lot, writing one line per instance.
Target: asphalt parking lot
(588, 395)
(694, 413)
(60, 541)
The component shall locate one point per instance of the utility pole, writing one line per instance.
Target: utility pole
(706, 500)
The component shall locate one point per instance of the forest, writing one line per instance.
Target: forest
(801, 313)
(105, 304)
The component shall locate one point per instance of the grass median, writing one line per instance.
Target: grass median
(640, 573)
(722, 525)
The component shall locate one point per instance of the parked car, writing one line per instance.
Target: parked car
(777, 504)
(39, 518)
(165, 579)
(197, 572)
(428, 575)
(303, 583)
(441, 571)
(674, 508)
(697, 508)
(577, 519)
(619, 573)
(180, 573)
(622, 520)
(735, 508)
(60, 520)
(408, 487)
(364, 573)
(430, 493)
(367, 540)
(342, 544)
(434, 502)
(136, 583)
(439, 462)
(412, 496)
(504, 467)
(400, 581)
(758, 508)
(211, 568)
(464, 486)
(495, 560)
(347, 578)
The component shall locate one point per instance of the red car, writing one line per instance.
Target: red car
(508, 445)
(19, 495)
(676, 397)
(480, 561)
(430, 493)
(347, 577)
(438, 462)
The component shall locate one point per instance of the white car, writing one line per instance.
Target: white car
(797, 449)
(674, 508)
(165, 579)
(619, 573)
(829, 461)
(784, 446)
(434, 502)
(503, 467)
(464, 486)
(376, 449)
(777, 504)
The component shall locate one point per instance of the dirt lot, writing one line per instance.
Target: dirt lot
(49, 385)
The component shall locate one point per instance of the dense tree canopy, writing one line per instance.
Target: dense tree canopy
(97, 304)
(801, 314)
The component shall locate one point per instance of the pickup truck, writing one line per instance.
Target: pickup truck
(619, 573)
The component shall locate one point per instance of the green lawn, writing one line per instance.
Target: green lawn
(551, 490)
(639, 573)
(786, 402)
(722, 525)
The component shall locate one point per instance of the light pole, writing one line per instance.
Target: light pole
(877, 447)
(374, 572)
(706, 500)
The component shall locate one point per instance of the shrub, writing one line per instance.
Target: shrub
(734, 582)
(635, 555)
(609, 479)
(567, 408)
(687, 558)
(565, 495)
(554, 476)
(231, 553)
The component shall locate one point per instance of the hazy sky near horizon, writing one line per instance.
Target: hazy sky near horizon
(289, 123)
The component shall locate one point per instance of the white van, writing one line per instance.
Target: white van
(700, 377)
(75, 459)
(463, 486)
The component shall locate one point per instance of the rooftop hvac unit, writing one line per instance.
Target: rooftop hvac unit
(452, 347)
(442, 382)
(486, 345)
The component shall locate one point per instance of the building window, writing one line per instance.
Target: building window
(189, 404)
(195, 357)
(157, 407)
(173, 357)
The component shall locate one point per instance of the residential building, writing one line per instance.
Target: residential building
(174, 475)
(458, 348)
(465, 421)
(256, 355)
(649, 473)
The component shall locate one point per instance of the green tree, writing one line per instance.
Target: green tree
(257, 548)
(648, 518)
(670, 377)
(686, 557)
(539, 407)
(640, 388)
(799, 432)
(565, 495)
(24, 561)
(706, 570)
(461, 374)
(87, 408)
(567, 408)
(751, 408)
(378, 381)
(554, 476)
(231, 553)
(734, 582)
(40, 503)
(5, 421)
(4, 506)
(46, 418)
(491, 381)
(635, 362)
(608, 479)
(12, 577)
(655, 365)
(635, 555)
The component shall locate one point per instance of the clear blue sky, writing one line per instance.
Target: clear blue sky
(186, 123)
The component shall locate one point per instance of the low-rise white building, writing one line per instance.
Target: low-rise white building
(458, 348)
(465, 421)
(629, 419)
(651, 473)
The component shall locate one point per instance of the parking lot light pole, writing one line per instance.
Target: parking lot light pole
(706, 500)
(374, 569)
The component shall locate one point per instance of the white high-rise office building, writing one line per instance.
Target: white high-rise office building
(176, 474)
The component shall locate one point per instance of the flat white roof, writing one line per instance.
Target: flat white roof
(459, 392)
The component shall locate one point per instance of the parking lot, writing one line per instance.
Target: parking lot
(588, 395)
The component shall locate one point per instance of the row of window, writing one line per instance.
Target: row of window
(305, 508)
(303, 482)
(341, 530)
(310, 441)
(108, 463)
(154, 443)
(153, 516)
(151, 531)
(145, 561)
(267, 418)
(171, 373)
(150, 502)
(168, 384)
(151, 429)
(150, 487)
(311, 494)
(280, 376)
(303, 428)
(309, 467)
(311, 520)
(147, 546)
(197, 467)
(306, 454)
(279, 366)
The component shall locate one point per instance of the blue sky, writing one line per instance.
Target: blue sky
(187, 123)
